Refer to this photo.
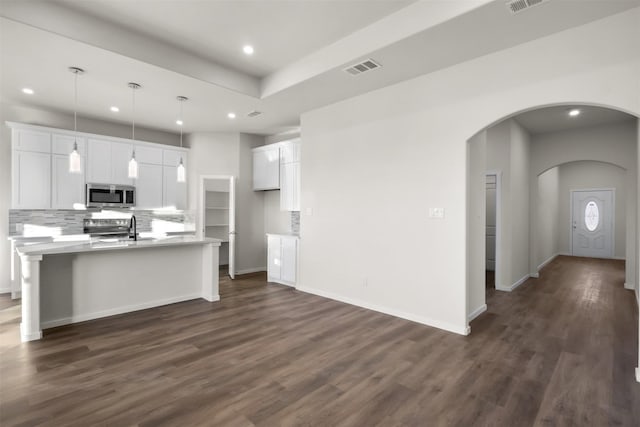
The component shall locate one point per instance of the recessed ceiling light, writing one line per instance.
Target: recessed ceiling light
(231, 115)
(28, 91)
(179, 122)
(114, 109)
(248, 49)
(574, 112)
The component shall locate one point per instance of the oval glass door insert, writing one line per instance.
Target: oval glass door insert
(591, 216)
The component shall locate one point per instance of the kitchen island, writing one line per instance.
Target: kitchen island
(68, 282)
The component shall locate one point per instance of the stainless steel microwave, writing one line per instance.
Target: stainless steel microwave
(110, 196)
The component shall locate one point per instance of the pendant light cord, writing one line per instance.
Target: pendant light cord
(75, 103)
(133, 114)
(181, 102)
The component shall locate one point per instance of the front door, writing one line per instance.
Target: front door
(592, 223)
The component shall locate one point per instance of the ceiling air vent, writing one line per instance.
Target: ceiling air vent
(361, 67)
(254, 113)
(517, 6)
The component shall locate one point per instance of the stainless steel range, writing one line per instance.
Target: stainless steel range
(108, 227)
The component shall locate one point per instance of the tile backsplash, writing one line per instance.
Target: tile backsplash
(41, 222)
(295, 222)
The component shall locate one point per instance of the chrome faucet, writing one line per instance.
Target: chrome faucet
(133, 224)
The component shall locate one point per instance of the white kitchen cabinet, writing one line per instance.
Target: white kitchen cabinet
(149, 186)
(120, 157)
(149, 155)
(290, 151)
(31, 180)
(63, 144)
(108, 162)
(266, 167)
(282, 259)
(290, 187)
(31, 140)
(174, 192)
(99, 161)
(290, 175)
(67, 189)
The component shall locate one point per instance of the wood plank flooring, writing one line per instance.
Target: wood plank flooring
(558, 351)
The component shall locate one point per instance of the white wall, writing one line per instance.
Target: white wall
(546, 216)
(214, 153)
(252, 246)
(508, 152)
(396, 152)
(476, 199)
(519, 199)
(41, 117)
(585, 175)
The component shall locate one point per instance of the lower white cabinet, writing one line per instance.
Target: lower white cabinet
(67, 189)
(282, 259)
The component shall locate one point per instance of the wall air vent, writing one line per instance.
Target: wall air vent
(254, 113)
(361, 67)
(517, 6)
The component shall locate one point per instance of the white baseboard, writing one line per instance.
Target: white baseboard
(638, 374)
(629, 286)
(251, 270)
(514, 285)
(120, 310)
(535, 275)
(548, 260)
(458, 329)
(5, 290)
(477, 312)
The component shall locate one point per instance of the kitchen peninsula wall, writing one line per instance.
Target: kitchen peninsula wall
(47, 222)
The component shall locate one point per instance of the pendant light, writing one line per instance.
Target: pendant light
(133, 163)
(181, 170)
(74, 157)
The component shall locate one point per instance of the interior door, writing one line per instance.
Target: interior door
(490, 240)
(592, 223)
(232, 228)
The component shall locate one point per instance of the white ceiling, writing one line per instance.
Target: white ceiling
(282, 31)
(299, 54)
(557, 119)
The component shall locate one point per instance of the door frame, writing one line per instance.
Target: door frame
(497, 273)
(613, 216)
(200, 217)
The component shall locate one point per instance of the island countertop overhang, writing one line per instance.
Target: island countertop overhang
(52, 248)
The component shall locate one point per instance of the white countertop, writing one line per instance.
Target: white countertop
(95, 245)
(296, 236)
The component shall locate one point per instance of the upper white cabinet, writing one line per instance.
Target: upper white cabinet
(149, 186)
(120, 157)
(31, 140)
(290, 175)
(99, 161)
(31, 180)
(41, 177)
(266, 167)
(67, 189)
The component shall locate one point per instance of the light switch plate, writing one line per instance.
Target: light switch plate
(309, 211)
(436, 213)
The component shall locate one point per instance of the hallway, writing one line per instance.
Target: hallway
(560, 350)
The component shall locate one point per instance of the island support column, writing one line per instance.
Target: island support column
(210, 274)
(30, 277)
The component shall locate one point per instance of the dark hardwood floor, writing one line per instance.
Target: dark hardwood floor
(560, 350)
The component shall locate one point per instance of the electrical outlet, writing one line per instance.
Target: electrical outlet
(436, 213)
